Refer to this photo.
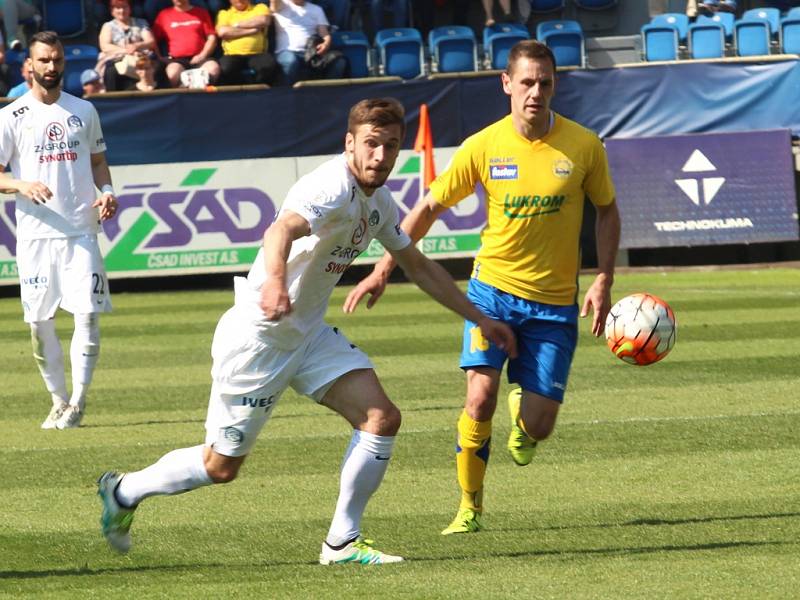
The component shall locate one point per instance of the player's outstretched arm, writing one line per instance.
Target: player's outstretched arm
(416, 224)
(598, 296)
(278, 238)
(35, 191)
(434, 280)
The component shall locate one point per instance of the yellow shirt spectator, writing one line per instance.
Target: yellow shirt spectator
(535, 196)
(243, 46)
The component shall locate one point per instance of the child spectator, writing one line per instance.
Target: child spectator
(91, 82)
(22, 87)
(145, 71)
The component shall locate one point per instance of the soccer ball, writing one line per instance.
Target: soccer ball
(640, 329)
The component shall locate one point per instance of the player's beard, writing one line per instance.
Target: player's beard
(369, 179)
(48, 84)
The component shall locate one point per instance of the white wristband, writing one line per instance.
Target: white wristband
(107, 189)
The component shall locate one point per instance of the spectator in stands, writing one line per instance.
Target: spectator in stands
(243, 31)
(12, 12)
(5, 73)
(91, 82)
(505, 7)
(303, 42)
(22, 87)
(188, 33)
(121, 41)
(145, 72)
(709, 7)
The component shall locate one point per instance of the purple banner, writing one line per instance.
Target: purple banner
(699, 190)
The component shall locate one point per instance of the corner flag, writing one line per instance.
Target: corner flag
(424, 144)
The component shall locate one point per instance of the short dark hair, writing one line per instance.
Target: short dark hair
(48, 38)
(532, 49)
(378, 112)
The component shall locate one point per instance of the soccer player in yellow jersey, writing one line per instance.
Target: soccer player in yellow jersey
(536, 167)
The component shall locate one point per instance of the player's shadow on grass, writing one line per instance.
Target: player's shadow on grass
(623, 550)
(689, 520)
(660, 522)
(315, 414)
(87, 571)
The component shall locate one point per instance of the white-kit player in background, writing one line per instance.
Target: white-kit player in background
(54, 146)
(275, 337)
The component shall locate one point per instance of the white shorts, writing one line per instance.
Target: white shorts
(250, 376)
(66, 272)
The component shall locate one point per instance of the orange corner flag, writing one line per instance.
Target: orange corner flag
(424, 144)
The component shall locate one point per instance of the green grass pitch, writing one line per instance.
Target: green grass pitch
(677, 480)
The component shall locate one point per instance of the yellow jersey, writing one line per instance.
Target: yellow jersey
(247, 45)
(534, 199)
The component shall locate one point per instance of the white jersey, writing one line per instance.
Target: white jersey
(53, 144)
(343, 222)
(295, 24)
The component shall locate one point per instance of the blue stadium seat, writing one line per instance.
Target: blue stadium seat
(65, 17)
(752, 37)
(77, 58)
(770, 15)
(660, 42)
(400, 51)
(679, 20)
(355, 46)
(724, 19)
(595, 4)
(790, 35)
(565, 39)
(498, 40)
(545, 6)
(14, 61)
(706, 40)
(793, 13)
(453, 49)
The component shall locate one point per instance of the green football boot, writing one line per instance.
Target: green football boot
(520, 445)
(359, 551)
(116, 519)
(466, 521)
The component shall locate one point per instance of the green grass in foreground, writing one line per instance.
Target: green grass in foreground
(678, 480)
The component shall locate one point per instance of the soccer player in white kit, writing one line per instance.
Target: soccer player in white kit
(54, 145)
(275, 337)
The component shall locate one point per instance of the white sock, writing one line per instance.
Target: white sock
(363, 468)
(84, 352)
(176, 472)
(49, 358)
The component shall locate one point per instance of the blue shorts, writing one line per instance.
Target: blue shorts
(546, 338)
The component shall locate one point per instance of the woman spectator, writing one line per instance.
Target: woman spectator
(122, 40)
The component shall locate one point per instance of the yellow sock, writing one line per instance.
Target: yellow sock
(472, 454)
(516, 394)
